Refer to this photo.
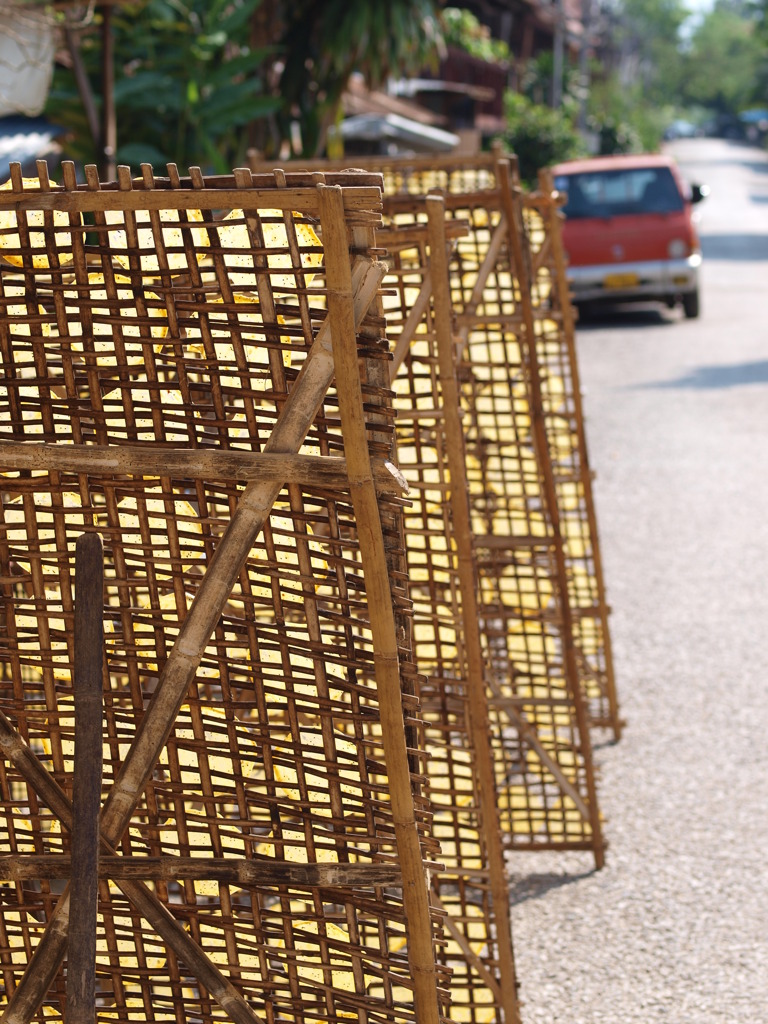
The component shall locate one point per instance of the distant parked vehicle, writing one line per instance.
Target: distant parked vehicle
(756, 123)
(725, 126)
(629, 231)
(682, 129)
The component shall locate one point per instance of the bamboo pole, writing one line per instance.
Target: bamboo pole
(415, 892)
(358, 199)
(86, 791)
(469, 310)
(512, 206)
(529, 735)
(231, 870)
(546, 184)
(491, 982)
(198, 464)
(108, 133)
(409, 327)
(477, 703)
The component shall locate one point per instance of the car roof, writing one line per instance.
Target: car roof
(613, 163)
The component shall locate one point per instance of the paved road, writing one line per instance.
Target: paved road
(675, 928)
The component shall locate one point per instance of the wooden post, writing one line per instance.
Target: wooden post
(83, 85)
(86, 793)
(415, 893)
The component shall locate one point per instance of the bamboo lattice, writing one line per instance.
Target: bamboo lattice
(540, 730)
(169, 348)
(545, 775)
(561, 394)
(472, 886)
(554, 331)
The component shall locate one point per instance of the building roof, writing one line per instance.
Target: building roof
(359, 99)
(402, 131)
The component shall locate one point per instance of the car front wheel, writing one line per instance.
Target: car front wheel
(691, 304)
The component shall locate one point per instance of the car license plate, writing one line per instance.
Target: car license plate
(620, 280)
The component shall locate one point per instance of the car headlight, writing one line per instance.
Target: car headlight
(677, 249)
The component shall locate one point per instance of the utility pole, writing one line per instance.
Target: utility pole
(584, 76)
(557, 55)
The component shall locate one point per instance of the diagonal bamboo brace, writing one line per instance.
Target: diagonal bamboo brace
(49, 952)
(409, 327)
(216, 587)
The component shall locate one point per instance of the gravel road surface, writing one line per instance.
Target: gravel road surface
(675, 927)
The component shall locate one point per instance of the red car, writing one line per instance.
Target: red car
(629, 232)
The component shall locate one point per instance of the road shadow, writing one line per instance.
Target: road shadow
(532, 887)
(757, 167)
(735, 247)
(713, 377)
(601, 317)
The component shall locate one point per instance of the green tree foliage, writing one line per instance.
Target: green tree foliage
(725, 65)
(662, 69)
(649, 38)
(538, 135)
(462, 29)
(187, 82)
(195, 80)
(759, 11)
(637, 83)
(326, 40)
(621, 118)
(538, 75)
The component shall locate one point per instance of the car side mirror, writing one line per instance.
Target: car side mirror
(699, 192)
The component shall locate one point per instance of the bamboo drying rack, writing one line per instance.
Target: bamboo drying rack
(561, 395)
(472, 888)
(553, 317)
(194, 372)
(545, 774)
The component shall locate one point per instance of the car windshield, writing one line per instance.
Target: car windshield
(618, 193)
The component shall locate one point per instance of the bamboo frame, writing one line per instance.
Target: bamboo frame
(458, 177)
(520, 257)
(472, 888)
(545, 775)
(255, 701)
(452, 173)
(540, 677)
(555, 326)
